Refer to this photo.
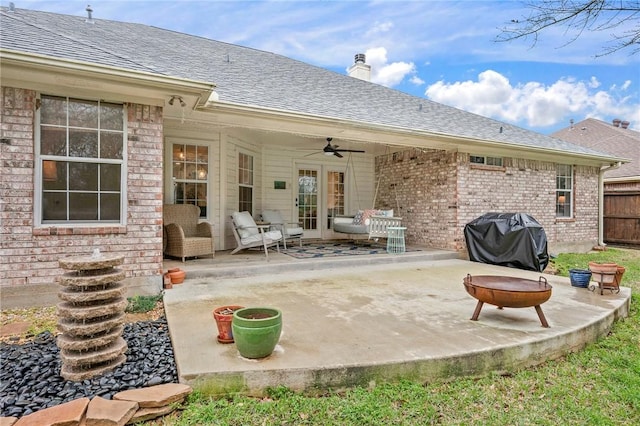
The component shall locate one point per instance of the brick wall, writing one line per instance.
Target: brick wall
(420, 185)
(438, 192)
(30, 253)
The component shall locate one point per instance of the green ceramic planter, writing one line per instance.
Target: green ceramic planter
(256, 331)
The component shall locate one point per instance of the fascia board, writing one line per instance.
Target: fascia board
(44, 73)
(272, 120)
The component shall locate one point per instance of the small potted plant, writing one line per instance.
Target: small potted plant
(224, 316)
(256, 331)
(580, 277)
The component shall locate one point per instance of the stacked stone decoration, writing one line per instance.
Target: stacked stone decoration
(91, 315)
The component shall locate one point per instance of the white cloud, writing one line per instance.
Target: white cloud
(384, 73)
(380, 27)
(416, 80)
(533, 103)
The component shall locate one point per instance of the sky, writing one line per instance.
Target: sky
(445, 51)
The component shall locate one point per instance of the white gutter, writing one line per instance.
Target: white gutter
(156, 82)
(601, 201)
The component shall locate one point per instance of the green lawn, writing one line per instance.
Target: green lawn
(599, 385)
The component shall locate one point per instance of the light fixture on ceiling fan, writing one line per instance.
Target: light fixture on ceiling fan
(333, 149)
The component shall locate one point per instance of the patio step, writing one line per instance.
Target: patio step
(281, 264)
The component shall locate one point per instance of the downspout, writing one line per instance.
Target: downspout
(601, 201)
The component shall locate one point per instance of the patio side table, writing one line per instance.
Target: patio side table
(395, 239)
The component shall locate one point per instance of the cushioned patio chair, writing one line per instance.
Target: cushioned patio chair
(183, 235)
(248, 234)
(289, 230)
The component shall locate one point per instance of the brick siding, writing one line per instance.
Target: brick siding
(30, 253)
(437, 193)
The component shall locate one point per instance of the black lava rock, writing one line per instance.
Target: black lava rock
(30, 374)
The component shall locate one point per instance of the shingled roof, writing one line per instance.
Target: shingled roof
(254, 78)
(605, 137)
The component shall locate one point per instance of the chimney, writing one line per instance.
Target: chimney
(616, 122)
(360, 69)
(624, 124)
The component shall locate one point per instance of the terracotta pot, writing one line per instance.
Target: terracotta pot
(177, 277)
(224, 316)
(619, 273)
(603, 272)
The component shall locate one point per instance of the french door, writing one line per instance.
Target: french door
(320, 197)
(308, 201)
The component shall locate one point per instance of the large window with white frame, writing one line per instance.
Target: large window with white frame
(564, 191)
(190, 175)
(245, 182)
(80, 160)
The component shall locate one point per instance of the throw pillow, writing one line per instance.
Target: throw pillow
(358, 219)
(367, 214)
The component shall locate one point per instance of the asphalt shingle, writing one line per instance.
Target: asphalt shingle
(252, 77)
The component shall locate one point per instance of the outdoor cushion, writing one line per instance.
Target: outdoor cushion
(367, 214)
(272, 216)
(270, 235)
(246, 225)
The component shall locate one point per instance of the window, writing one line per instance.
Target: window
(488, 161)
(80, 160)
(190, 175)
(245, 182)
(564, 190)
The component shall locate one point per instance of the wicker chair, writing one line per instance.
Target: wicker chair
(183, 235)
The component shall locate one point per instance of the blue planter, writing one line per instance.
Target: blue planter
(580, 277)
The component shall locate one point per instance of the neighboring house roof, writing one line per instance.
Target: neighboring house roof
(255, 78)
(605, 137)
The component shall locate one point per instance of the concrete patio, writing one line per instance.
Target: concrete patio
(359, 320)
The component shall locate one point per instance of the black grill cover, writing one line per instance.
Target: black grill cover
(515, 240)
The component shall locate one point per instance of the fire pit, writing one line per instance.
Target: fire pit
(508, 292)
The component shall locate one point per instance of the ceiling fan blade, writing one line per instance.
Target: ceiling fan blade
(348, 150)
(337, 154)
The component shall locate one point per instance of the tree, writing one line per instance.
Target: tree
(622, 17)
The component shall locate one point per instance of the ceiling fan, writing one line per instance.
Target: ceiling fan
(333, 149)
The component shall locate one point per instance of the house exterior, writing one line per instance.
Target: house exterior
(103, 122)
(621, 207)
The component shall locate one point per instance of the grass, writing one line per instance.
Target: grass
(142, 304)
(45, 319)
(599, 385)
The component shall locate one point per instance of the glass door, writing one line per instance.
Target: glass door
(308, 201)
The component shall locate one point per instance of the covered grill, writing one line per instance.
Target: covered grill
(515, 240)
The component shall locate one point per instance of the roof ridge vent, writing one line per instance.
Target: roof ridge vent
(89, 19)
